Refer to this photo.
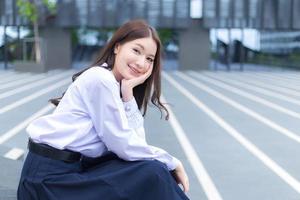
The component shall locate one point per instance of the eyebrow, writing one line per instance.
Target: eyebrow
(143, 48)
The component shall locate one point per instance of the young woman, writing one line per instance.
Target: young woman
(93, 145)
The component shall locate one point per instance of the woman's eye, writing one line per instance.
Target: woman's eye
(136, 51)
(150, 60)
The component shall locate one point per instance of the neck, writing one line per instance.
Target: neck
(116, 74)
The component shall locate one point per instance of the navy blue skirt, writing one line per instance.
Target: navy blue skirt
(107, 178)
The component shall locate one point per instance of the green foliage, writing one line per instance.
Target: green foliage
(29, 10)
(291, 60)
(51, 6)
(295, 57)
(165, 35)
(74, 37)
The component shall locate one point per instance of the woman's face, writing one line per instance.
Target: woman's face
(134, 58)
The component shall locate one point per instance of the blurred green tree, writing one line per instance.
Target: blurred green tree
(29, 10)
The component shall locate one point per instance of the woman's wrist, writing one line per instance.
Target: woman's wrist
(127, 94)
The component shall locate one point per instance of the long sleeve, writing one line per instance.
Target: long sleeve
(112, 123)
(134, 117)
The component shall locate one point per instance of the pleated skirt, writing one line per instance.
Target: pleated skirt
(108, 178)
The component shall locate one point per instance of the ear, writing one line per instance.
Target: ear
(117, 48)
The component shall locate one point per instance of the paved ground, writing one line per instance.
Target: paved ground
(236, 132)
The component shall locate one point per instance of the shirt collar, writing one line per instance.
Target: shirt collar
(105, 65)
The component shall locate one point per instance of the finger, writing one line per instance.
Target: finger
(181, 181)
(146, 75)
(186, 186)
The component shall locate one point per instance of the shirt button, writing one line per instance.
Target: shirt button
(127, 108)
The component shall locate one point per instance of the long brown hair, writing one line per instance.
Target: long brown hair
(151, 88)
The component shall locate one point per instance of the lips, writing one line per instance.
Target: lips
(134, 70)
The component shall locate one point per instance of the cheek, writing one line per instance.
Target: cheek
(119, 65)
(130, 57)
(148, 66)
(120, 62)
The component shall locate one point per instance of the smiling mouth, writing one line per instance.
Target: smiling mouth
(134, 70)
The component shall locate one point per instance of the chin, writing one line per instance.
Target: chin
(128, 76)
(132, 76)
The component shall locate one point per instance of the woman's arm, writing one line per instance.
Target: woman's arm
(103, 104)
(127, 94)
(101, 97)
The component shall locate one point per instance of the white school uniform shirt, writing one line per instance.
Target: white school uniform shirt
(91, 118)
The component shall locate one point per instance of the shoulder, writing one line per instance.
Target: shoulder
(97, 76)
(98, 73)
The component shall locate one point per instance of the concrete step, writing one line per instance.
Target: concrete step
(12, 153)
(7, 194)
(9, 177)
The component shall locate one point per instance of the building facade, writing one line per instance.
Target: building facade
(282, 42)
(104, 13)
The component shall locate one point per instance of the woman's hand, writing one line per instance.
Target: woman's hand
(128, 85)
(181, 177)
